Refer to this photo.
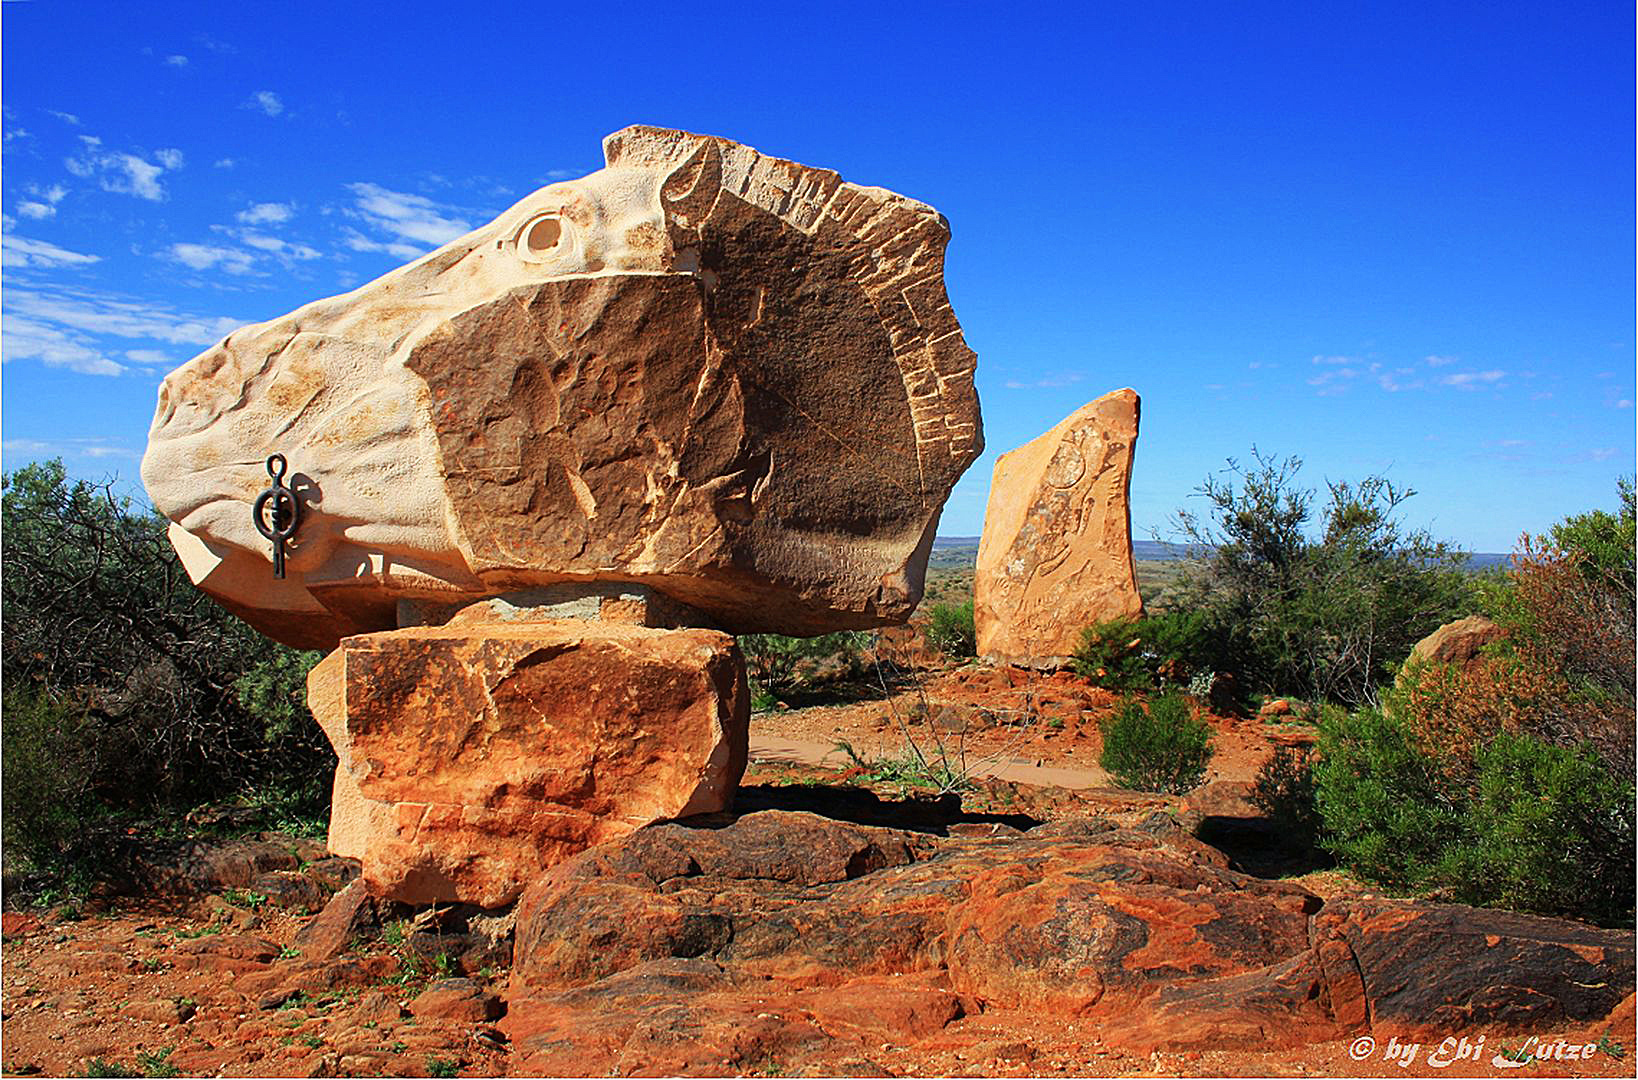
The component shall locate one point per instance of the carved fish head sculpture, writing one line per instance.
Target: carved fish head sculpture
(734, 379)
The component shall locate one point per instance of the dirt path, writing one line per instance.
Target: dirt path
(767, 749)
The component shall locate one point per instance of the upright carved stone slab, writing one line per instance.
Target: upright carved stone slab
(727, 377)
(476, 754)
(1056, 553)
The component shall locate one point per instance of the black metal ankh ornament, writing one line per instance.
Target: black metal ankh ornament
(277, 513)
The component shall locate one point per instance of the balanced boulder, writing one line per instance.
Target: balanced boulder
(729, 377)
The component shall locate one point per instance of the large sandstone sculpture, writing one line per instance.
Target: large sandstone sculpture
(1056, 553)
(731, 378)
(542, 469)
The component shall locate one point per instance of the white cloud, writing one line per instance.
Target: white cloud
(226, 163)
(88, 312)
(127, 174)
(1472, 380)
(1440, 361)
(94, 447)
(267, 213)
(30, 339)
(209, 256)
(407, 218)
(1049, 381)
(558, 174)
(36, 210)
(1333, 360)
(18, 251)
(177, 60)
(275, 246)
(151, 357)
(65, 117)
(265, 101)
(357, 241)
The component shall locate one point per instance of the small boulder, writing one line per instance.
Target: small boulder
(461, 1000)
(1456, 642)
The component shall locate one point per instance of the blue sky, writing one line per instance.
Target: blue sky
(1379, 236)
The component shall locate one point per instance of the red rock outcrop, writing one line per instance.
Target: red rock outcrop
(475, 754)
(727, 376)
(1056, 553)
(790, 940)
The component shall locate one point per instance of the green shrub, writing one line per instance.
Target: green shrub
(778, 665)
(1136, 654)
(951, 630)
(1156, 747)
(1284, 791)
(140, 691)
(1549, 830)
(1111, 654)
(1516, 822)
(1320, 617)
(1386, 814)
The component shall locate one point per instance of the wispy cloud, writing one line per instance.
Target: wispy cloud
(84, 330)
(1440, 361)
(176, 60)
(1050, 381)
(66, 117)
(225, 163)
(1472, 380)
(93, 447)
(406, 219)
(210, 256)
(44, 203)
(18, 251)
(267, 213)
(1342, 372)
(266, 102)
(125, 173)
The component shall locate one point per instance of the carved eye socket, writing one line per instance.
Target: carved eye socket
(541, 236)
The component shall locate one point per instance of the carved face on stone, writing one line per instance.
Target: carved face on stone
(731, 378)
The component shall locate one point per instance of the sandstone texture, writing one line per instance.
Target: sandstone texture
(794, 940)
(727, 377)
(477, 753)
(1456, 642)
(1056, 553)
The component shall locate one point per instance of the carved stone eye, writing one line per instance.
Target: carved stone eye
(540, 237)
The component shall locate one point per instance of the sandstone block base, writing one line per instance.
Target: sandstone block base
(1056, 554)
(476, 754)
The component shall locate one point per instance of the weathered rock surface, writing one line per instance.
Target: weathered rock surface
(785, 939)
(726, 376)
(1456, 642)
(476, 754)
(1056, 553)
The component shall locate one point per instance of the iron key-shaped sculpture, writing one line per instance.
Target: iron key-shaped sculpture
(277, 513)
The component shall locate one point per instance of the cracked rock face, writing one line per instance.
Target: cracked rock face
(731, 378)
(474, 755)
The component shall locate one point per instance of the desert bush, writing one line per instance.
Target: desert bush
(116, 665)
(1327, 616)
(777, 665)
(1284, 791)
(1548, 829)
(1136, 654)
(1386, 814)
(951, 630)
(1158, 746)
(1111, 654)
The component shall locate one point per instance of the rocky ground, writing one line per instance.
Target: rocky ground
(835, 924)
